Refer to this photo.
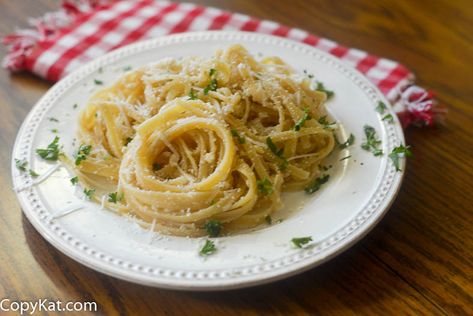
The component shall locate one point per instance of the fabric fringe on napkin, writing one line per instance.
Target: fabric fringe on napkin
(81, 30)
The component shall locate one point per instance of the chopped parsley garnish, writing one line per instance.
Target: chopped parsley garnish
(388, 117)
(100, 70)
(283, 165)
(325, 168)
(74, 106)
(127, 68)
(128, 140)
(21, 164)
(89, 193)
(74, 180)
(304, 118)
(114, 197)
(265, 186)
(381, 107)
(33, 173)
(372, 143)
(268, 219)
(323, 121)
(54, 130)
(345, 157)
(241, 139)
(316, 184)
(272, 146)
(320, 87)
(278, 152)
(308, 74)
(51, 152)
(348, 142)
(157, 166)
(300, 242)
(213, 85)
(82, 153)
(213, 227)
(192, 94)
(98, 82)
(53, 119)
(398, 152)
(208, 248)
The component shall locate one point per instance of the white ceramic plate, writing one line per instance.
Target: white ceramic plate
(359, 192)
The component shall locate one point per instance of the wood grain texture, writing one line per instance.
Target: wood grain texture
(418, 260)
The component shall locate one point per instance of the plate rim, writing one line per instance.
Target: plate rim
(180, 280)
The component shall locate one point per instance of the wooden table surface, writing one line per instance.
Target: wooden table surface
(418, 260)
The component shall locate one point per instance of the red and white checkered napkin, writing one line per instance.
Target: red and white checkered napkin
(84, 29)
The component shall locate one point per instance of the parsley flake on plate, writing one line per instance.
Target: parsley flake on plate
(320, 87)
(350, 140)
(208, 248)
(74, 180)
(381, 107)
(21, 164)
(372, 143)
(399, 152)
(388, 117)
(300, 242)
(51, 152)
(89, 193)
(316, 184)
(32, 173)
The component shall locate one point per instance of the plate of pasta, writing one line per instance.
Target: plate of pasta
(209, 160)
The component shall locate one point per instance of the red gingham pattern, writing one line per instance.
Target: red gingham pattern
(86, 29)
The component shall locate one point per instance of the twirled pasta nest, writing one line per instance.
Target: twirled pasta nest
(183, 142)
